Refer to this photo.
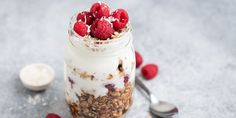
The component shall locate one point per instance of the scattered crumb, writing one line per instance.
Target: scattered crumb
(110, 77)
(34, 100)
(44, 104)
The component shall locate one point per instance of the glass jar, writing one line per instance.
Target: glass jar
(99, 74)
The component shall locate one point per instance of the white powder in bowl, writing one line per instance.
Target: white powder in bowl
(37, 76)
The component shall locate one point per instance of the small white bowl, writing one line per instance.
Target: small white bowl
(37, 77)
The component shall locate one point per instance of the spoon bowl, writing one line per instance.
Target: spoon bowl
(163, 109)
(158, 108)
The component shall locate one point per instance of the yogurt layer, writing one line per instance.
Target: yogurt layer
(89, 68)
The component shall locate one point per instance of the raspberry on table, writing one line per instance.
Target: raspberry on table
(121, 19)
(86, 17)
(81, 28)
(139, 59)
(100, 10)
(52, 115)
(101, 29)
(149, 71)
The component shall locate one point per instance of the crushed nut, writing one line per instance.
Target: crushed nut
(110, 77)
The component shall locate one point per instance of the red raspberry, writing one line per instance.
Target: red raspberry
(99, 10)
(101, 29)
(52, 115)
(121, 19)
(86, 17)
(72, 82)
(126, 79)
(139, 59)
(110, 87)
(149, 71)
(81, 28)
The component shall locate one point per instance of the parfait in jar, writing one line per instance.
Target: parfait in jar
(99, 63)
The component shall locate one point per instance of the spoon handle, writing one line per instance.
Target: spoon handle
(152, 97)
(140, 84)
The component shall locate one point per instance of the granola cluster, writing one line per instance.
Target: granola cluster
(113, 105)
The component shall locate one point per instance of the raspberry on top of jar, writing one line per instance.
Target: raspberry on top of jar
(101, 24)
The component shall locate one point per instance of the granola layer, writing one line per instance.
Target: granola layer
(113, 105)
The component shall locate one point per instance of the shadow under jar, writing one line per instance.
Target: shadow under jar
(99, 75)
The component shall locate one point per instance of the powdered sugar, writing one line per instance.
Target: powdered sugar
(100, 2)
(39, 99)
(108, 20)
(35, 99)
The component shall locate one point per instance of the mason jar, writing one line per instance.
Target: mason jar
(99, 74)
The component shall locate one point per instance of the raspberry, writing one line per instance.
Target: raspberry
(80, 28)
(110, 87)
(121, 19)
(139, 59)
(149, 71)
(72, 82)
(86, 17)
(100, 10)
(52, 115)
(126, 79)
(101, 29)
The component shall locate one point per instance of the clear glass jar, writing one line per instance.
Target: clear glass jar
(99, 75)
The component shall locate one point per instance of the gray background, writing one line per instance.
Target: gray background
(192, 41)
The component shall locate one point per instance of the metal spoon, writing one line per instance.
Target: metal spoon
(157, 107)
